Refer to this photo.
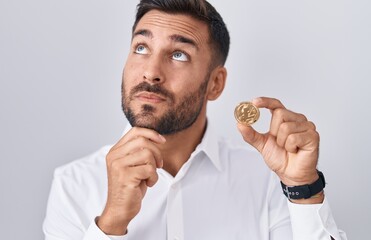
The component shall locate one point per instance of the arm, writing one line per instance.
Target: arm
(131, 167)
(290, 149)
(65, 220)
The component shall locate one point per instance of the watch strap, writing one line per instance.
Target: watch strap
(305, 191)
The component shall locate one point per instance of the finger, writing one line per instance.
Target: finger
(124, 166)
(141, 157)
(143, 187)
(307, 141)
(143, 132)
(266, 102)
(145, 173)
(254, 138)
(288, 128)
(135, 145)
(133, 176)
(281, 115)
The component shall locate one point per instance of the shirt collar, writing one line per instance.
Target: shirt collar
(209, 145)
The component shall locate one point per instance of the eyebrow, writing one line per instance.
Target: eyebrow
(143, 32)
(182, 39)
(175, 38)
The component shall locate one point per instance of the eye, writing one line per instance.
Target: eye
(141, 49)
(180, 56)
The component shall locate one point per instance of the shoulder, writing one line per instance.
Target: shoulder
(77, 192)
(84, 169)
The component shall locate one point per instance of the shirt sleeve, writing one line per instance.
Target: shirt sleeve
(313, 221)
(65, 220)
(94, 233)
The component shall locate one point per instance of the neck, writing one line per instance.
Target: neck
(179, 146)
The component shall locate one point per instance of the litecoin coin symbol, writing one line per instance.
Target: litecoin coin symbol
(246, 113)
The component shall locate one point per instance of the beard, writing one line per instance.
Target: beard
(177, 118)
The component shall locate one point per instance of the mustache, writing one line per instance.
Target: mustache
(157, 89)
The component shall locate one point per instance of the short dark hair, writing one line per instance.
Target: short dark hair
(200, 9)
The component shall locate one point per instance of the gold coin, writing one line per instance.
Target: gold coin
(246, 113)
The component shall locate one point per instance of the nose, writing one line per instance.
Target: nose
(153, 72)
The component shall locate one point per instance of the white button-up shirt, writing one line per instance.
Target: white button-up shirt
(223, 192)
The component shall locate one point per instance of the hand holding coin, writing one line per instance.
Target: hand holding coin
(290, 147)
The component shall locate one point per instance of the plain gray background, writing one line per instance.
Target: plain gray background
(60, 71)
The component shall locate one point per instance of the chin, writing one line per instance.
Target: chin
(145, 121)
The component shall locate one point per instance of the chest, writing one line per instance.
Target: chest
(203, 205)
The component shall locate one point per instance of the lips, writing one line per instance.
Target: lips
(149, 97)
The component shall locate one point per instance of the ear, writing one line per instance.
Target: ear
(216, 83)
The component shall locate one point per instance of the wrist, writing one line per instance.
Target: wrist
(315, 199)
(307, 193)
(307, 178)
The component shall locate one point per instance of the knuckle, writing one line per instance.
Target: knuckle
(291, 138)
(146, 153)
(150, 170)
(278, 101)
(109, 159)
(312, 125)
(285, 128)
(115, 165)
(273, 99)
(315, 135)
(279, 112)
(280, 141)
(134, 133)
(155, 178)
(141, 141)
(302, 117)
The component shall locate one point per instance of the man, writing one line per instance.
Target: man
(169, 177)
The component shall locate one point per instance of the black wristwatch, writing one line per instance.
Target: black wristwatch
(305, 191)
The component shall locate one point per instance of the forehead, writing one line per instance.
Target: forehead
(161, 23)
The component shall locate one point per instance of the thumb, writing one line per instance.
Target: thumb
(252, 137)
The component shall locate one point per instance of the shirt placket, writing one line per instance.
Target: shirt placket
(175, 207)
(175, 218)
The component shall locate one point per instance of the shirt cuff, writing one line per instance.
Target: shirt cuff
(312, 221)
(94, 233)
(116, 237)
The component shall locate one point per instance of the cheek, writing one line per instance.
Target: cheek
(131, 75)
(133, 65)
(127, 84)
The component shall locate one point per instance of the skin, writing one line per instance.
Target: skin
(290, 148)
(161, 56)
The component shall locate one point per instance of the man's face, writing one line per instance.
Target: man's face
(167, 71)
